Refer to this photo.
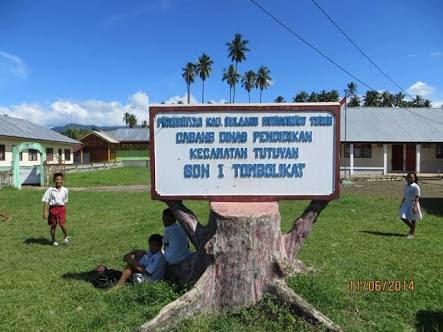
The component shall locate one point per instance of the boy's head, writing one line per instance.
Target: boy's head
(168, 217)
(58, 179)
(155, 242)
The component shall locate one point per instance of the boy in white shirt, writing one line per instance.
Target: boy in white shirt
(142, 265)
(54, 210)
(176, 245)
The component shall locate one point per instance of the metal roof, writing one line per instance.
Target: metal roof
(380, 124)
(105, 135)
(20, 128)
(130, 134)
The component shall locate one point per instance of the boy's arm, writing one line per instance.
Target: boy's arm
(45, 210)
(45, 200)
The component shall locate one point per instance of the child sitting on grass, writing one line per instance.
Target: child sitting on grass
(175, 240)
(54, 210)
(144, 266)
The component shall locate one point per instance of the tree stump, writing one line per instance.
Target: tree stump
(240, 256)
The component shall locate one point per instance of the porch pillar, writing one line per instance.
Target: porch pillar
(351, 159)
(81, 155)
(404, 157)
(417, 157)
(385, 159)
(109, 153)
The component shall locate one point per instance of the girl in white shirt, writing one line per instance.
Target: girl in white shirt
(410, 211)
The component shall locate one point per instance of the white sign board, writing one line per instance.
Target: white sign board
(235, 153)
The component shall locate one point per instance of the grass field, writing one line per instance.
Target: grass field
(111, 177)
(358, 237)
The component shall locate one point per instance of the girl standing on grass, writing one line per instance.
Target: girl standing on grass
(410, 207)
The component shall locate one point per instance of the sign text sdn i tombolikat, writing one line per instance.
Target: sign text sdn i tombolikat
(245, 152)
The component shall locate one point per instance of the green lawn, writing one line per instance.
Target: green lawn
(109, 177)
(354, 239)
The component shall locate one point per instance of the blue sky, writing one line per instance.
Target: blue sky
(88, 61)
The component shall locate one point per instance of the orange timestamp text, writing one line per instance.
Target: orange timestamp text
(381, 285)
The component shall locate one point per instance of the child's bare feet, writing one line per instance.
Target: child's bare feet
(114, 288)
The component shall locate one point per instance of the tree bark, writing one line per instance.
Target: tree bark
(240, 255)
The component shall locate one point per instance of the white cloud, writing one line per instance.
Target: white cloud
(420, 88)
(12, 65)
(88, 112)
(436, 54)
(183, 99)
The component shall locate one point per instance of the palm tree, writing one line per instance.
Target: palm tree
(263, 80)
(387, 99)
(132, 121)
(279, 99)
(301, 97)
(354, 102)
(204, 69)
(248, 82)
(126, 118)
(231, 76)
(427, 103)
(189, 75)
(332, 95)
(417, 101)
(398, 99)
(323, 96)
(351, 90)
(372, 98)
(237, 52)
(145, 124)
(313, 97)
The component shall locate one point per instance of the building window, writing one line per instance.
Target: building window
(32, 155)
(67, 154)
(49, 154)
(2, 152)
(360, 151)
(439, 151)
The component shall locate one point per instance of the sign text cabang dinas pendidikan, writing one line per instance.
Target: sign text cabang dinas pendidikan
(245, 153)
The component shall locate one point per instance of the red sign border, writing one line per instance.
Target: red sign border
(266, 108)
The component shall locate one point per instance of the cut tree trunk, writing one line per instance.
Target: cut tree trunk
(240, 256)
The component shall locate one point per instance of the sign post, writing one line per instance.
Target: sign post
(262, 152)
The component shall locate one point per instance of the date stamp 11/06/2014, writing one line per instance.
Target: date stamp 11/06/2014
(381, 285)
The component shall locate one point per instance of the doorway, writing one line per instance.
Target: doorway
(397, 157)
(410, 158)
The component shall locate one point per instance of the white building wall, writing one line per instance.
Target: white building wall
(9, 143)
(376, 160)
(428, 161)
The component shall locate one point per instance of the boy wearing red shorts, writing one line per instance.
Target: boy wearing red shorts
(54, 210)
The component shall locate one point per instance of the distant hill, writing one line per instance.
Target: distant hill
(62, 129)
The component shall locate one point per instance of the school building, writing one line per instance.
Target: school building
(129, 145)
(25, 146)
(391, 140)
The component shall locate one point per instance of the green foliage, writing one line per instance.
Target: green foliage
(263, 79)
(76, 133)
(279, 99)
(204, 70)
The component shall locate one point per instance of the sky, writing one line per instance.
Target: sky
(88, 62)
